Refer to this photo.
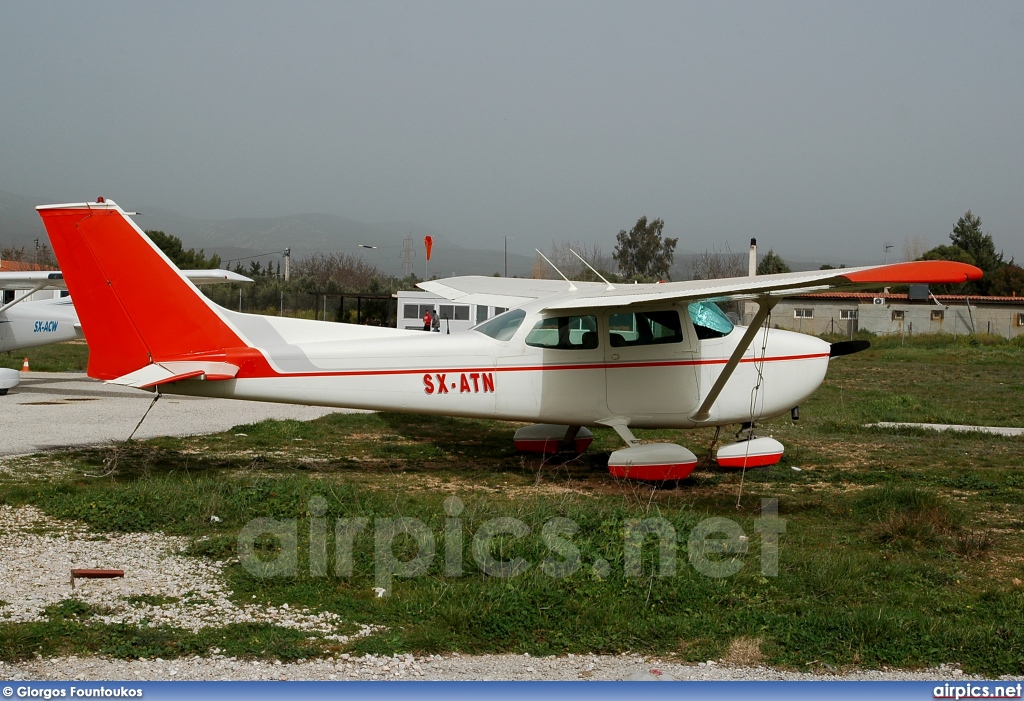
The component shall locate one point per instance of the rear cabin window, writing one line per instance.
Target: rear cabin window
(644, 328)
(709, 321)
(503, 326)
(564, 333)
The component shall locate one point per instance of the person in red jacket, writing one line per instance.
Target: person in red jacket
(428, 317)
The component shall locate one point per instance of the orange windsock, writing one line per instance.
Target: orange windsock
(428, 243)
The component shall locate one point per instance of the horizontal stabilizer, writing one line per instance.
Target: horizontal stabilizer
(156, 374)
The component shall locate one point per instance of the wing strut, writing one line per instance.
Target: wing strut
(765, 306)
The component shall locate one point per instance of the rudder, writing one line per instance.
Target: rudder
(134, 305)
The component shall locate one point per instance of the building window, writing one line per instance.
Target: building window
(897, 315)
(1020, 318)
(803, 313)
(938, 314)
(410, 311)
(500, 310)
(455, 312)
(847, 313)
(481, 313)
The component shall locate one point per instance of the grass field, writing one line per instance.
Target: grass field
(58, 357)
(902, 548)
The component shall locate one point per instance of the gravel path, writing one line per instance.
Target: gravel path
(161, 586)
(441, 667)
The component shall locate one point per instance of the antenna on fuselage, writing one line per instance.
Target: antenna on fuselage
(610, 285)
(572, 287)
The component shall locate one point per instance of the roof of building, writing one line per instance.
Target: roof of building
(15, 266)
(975, 299)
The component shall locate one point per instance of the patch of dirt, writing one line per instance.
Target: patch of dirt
(744, 652)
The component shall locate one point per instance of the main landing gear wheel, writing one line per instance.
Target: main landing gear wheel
(9, 379)
(550, 439)
(652, 462)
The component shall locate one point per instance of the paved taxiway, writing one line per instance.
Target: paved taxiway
(53, 410)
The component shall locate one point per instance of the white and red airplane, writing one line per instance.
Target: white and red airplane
(570, 355)
(27, 323)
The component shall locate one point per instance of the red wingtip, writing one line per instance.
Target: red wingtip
(917, 272)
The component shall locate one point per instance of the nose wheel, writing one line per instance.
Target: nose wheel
(749, 450)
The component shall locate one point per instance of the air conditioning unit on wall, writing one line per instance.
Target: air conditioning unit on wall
(878, 300)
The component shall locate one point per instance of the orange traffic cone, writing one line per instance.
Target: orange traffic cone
(24, 365)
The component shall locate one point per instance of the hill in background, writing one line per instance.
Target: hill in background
(306, 234)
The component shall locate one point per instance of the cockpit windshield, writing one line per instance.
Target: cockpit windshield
(709, 321)
(503, 326)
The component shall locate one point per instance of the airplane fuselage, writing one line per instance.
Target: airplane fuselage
(31, 324)
(582, 369)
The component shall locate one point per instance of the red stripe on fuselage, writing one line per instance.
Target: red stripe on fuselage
(530, 368)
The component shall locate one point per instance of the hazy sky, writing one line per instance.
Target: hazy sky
(822, 128)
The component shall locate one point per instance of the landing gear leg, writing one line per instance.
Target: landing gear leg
(746, 431)
(568, 442)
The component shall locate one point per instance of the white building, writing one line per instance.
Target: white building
(882, 313)
(413, 304)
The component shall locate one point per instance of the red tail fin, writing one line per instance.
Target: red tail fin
(134, 305)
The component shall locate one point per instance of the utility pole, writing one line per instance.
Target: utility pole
(506, 254)
(407, 256)
(888, 246)
(287, 264)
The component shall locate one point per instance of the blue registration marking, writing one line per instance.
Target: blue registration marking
(45, 327)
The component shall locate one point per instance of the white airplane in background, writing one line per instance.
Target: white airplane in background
(25, 323)
(570, 355)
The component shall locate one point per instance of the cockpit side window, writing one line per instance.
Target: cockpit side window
(503, 326)
(709, 321)
(644, 328)
(565, 333)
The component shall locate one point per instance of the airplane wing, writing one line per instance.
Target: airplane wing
(32, 280)
(501, 291)
(515, 292)
(38, 280)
